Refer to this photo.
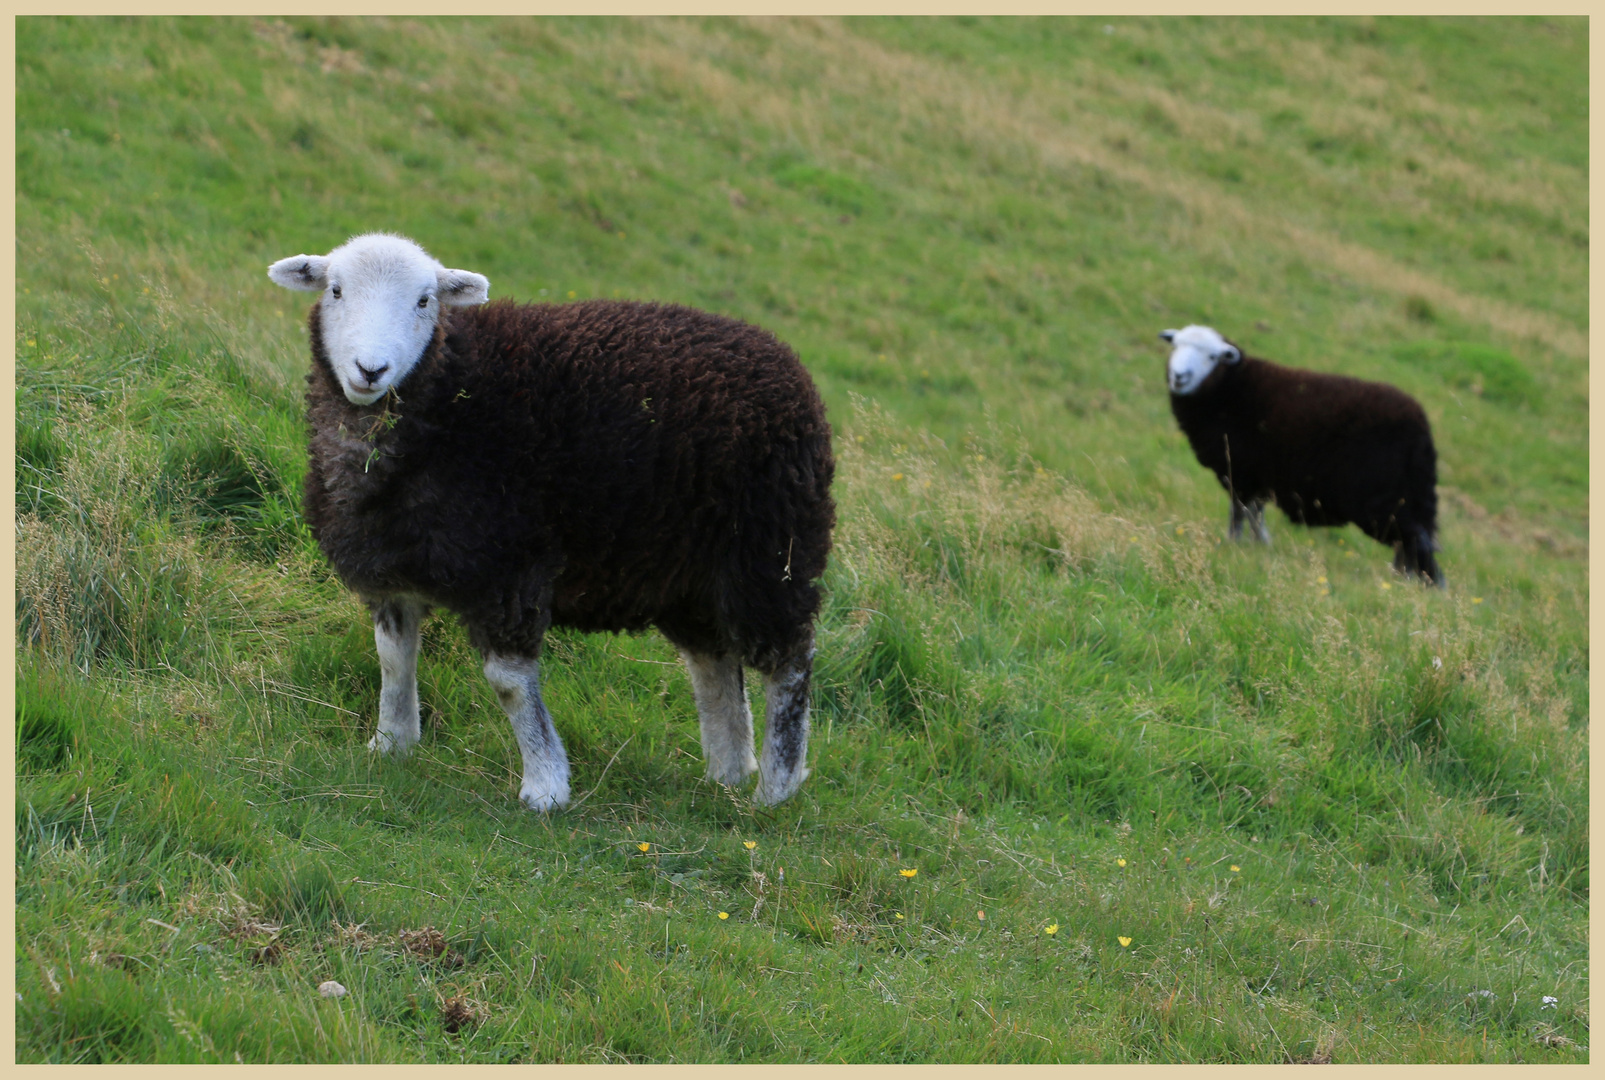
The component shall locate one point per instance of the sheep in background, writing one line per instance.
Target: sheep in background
(1329, 449)
(603, 465)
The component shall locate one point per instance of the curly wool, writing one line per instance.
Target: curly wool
(602, 465)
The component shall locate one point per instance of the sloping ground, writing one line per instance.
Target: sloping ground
(1087, 783)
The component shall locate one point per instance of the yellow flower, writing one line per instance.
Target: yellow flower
(1476, 599)
(897, 476)
(643, 847)
(1235, 869)
(1120, 862)
(724, 914)
(1051, 929)
(749, 844)
(981, 915)
(1385, 585)
(1124, 941)
(908, 873)
(1178, 530)
(899, 914)
(571, 294)
(1321, 580)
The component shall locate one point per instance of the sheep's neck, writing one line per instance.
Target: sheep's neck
(364, 433)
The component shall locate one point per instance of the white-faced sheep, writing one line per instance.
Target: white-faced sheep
(602, 465)
(1329, 449)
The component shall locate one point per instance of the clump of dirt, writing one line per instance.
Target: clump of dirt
(267, 954)
(428, 943)
(460, 1011)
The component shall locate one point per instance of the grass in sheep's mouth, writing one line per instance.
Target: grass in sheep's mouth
(1272, 808)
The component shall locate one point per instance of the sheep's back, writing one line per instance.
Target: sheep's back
(642, 446)
(1310, 408)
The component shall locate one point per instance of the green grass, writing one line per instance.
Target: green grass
(1279, 804)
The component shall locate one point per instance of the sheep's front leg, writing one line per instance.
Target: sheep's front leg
(724, 714)
(1253, 512)
(395, 636)
(1256, 520)
(785, 743)
(516, 680)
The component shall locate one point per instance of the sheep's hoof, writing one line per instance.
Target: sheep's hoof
(392, 744)
(543, 797)
(774, 790)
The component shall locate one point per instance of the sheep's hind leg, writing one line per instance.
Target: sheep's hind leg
(1413, 557)
(724, 714)
(516, 680)
(785, 744)
(395, 635)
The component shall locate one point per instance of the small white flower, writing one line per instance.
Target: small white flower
(1550, 1002)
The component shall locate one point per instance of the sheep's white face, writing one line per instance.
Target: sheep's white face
(1198, 349)
(382, 297)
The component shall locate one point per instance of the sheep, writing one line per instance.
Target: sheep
(1329, 449)
(600, 465)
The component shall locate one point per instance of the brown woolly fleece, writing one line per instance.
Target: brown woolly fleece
(1328, 448)
(602, 465)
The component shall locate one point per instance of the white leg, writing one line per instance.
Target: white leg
(1234, 528)
(395, 635)
(516, 680)
(785, 743)
(724, 714)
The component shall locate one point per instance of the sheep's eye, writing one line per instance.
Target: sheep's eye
(335, 291)
(423, 301)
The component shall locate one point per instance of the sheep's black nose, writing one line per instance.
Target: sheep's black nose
(371, 375)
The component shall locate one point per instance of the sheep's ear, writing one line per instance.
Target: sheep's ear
(1231, 354)
(304, 273)
(461, 288)
(1168, 335)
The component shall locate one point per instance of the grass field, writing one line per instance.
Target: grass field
(1089, 784)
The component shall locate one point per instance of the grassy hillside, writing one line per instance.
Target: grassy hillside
(1088, 784)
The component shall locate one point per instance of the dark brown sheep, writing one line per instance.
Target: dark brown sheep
(602, 465)
(1327, 448)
